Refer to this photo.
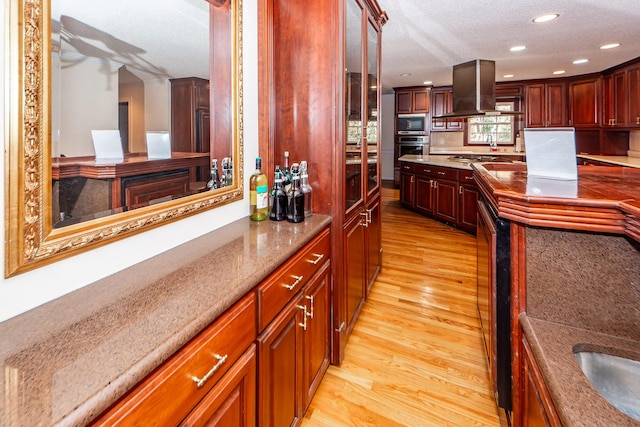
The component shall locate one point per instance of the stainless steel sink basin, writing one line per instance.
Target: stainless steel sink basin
(616, 379)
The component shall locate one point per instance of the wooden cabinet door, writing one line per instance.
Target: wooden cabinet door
(232, 401)
(280, 369)
(446, 200)
(556, 104)
(404, 100)
(407, 189)
(538, 409)
(633, 95)
(614, 100)
(373, 242)
(439, 108)
(535, 106)
(421, 101)
(468, 207)
(316, 336)
(424, 194)
(354, 263)
(584, 103)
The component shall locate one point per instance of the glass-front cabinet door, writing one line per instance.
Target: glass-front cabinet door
(372, 135)
(355, 80)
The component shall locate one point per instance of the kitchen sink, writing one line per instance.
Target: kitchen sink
(617, 379)
(476, 158)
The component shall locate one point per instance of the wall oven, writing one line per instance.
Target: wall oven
(494, 298)
(408, 144)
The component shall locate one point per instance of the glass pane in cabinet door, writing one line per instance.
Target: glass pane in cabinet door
(353, 104)
(372, 108)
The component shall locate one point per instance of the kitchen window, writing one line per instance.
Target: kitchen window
(500, 128)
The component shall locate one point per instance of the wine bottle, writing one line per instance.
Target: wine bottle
(286, 179)
(258, 193)
(214, 182)
(295, 197)
(278, 198)
(306, 189)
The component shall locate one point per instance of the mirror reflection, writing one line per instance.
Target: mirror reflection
(141, 73)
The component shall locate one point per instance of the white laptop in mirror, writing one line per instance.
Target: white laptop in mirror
(107, 146)
(158, 145)
(551, 153)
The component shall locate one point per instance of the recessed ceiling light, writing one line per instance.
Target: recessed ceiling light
(545, 18)
(609, 46)
(581, 61)
(508, 76)
(559, 72)
(517, 48)
(405, 74)
(428, 82)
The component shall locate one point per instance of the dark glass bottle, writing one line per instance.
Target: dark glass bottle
(278, 198)
(214, 182)
(306, 189)
(286, 178)
(295, 197)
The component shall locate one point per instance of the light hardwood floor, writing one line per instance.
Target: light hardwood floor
(415, 356)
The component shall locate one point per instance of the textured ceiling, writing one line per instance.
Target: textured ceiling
(427, 38)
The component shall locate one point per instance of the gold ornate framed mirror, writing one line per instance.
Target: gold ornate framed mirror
(35, 233)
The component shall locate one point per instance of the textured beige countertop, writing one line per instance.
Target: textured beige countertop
(445, 160)
(65, 362)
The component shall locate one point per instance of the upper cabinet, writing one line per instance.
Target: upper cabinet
(412, 100)
(442, 103)
(621, 97)
(584, 102)
(633, 82)
(546, 104)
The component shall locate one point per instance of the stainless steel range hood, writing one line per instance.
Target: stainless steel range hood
(474, 90)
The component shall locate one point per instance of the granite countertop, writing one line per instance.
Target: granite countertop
(632, 162)
(67, 361)
(444, 158)
(577, 402)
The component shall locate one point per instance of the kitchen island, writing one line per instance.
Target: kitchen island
(575, 270)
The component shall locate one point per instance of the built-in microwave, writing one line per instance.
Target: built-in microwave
(411, 124)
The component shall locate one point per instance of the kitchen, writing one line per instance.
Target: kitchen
(43, 284)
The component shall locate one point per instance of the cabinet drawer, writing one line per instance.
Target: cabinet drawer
(406, 167)
(170, 392)
(425, 170)
(276, 291)
(444, 173)
(466, 177)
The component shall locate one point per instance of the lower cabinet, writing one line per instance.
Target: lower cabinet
(259, 363)
(538, 409)
(447, 194)
(294, 354)
(373, 241)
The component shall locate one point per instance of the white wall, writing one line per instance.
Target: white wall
(386, 122)
(28, 290)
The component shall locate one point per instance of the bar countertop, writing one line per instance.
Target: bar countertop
(67, 361)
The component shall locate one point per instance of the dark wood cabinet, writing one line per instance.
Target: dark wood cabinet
(538, 409)
(190, 118)
(280, 368)
(355, 278)
(584, 102)
(442, 103)
(374, 241)
(412, 100)
(614, 99)
(444, 193)
(633, 95)
(468, 194)
(546, 104)
(232, 401)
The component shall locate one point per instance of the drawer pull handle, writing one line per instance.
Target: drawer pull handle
(303, 325)
(441, 173)
(317, 260)
(310, 313)
(294, 284)
(200, 381)
(469, 178)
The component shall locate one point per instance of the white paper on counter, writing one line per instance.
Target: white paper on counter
(107, 146)
(158, 145)
(551, 153)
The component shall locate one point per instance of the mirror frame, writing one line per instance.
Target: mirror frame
(30, 241)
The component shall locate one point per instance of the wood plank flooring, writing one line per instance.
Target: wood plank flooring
(415, 356)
